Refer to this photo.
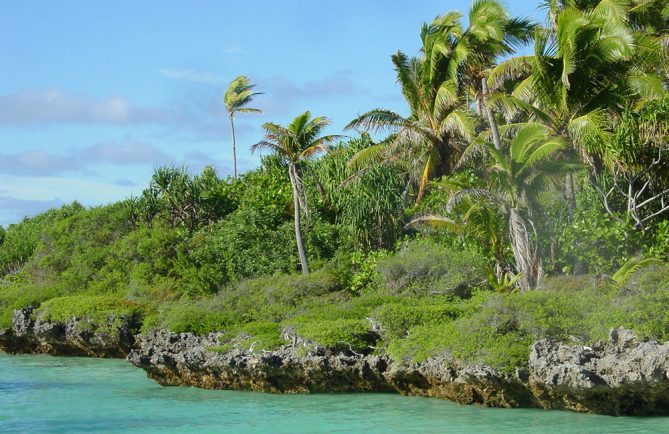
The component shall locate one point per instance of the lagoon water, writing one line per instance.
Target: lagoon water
(69, 395)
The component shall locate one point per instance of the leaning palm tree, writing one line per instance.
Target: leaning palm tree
(515, 175)
(294, 144)
(237, 96)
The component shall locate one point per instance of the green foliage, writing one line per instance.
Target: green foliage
(596, 240)
(185, 200)
(660, 244)
(74, 249)
(397, 318)
(254, 336)
(365, 277)
(100, 312)
(366, 205)
(21, 239)
(498, 329)
(424, 267)
(264, 299)
(191, 316)
(337, 334)
(18, 296)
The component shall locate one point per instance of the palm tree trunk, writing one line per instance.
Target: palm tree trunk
(489, 114)
(522, 251)
(234, 145)
(570, 195)
(292, 171)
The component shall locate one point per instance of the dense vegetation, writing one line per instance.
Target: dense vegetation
(525, 196)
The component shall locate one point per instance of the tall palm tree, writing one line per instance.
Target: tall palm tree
(239, 94)
(492, 33)
(454, 60)
(515, 175)
(294, 144)
(439, 124)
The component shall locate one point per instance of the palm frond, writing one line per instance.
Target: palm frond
(248, 110)
(515, 68)
(366, 156)
(437, 222)
(628, 269)
(471, 193)
(460, 122)
(238, 94)
(376, 120)
(525, 139)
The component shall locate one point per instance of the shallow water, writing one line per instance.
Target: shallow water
(68, 395)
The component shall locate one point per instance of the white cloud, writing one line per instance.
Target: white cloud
(54, 106)
(121, 153)
(281, 93)
(38, 162)
(13, 209)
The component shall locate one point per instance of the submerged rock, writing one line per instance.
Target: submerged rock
(76, 337)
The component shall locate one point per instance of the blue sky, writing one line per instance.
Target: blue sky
(95, 94)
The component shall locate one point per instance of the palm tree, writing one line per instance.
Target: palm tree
(584, 69)
(434, 85)
(491, 34)
(237, 96)
(515, 175)
(478, 222)
(439, 125)
(294, 144)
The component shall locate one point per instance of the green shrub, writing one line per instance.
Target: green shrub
(366, 278)
(489, 336)
(424, 267)
(19, 296)
(254, 336)
(595, 241)
(98, 311)
(337, 334)
(21, 239)
(396, 319)
(498, 329)
(192, 316)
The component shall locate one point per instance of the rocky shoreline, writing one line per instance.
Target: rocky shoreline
(623, 376)
(30, 335)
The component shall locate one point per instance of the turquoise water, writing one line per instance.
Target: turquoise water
(69, 395)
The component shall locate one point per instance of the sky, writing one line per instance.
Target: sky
(94, 95)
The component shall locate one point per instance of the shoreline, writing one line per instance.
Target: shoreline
(623, 376)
